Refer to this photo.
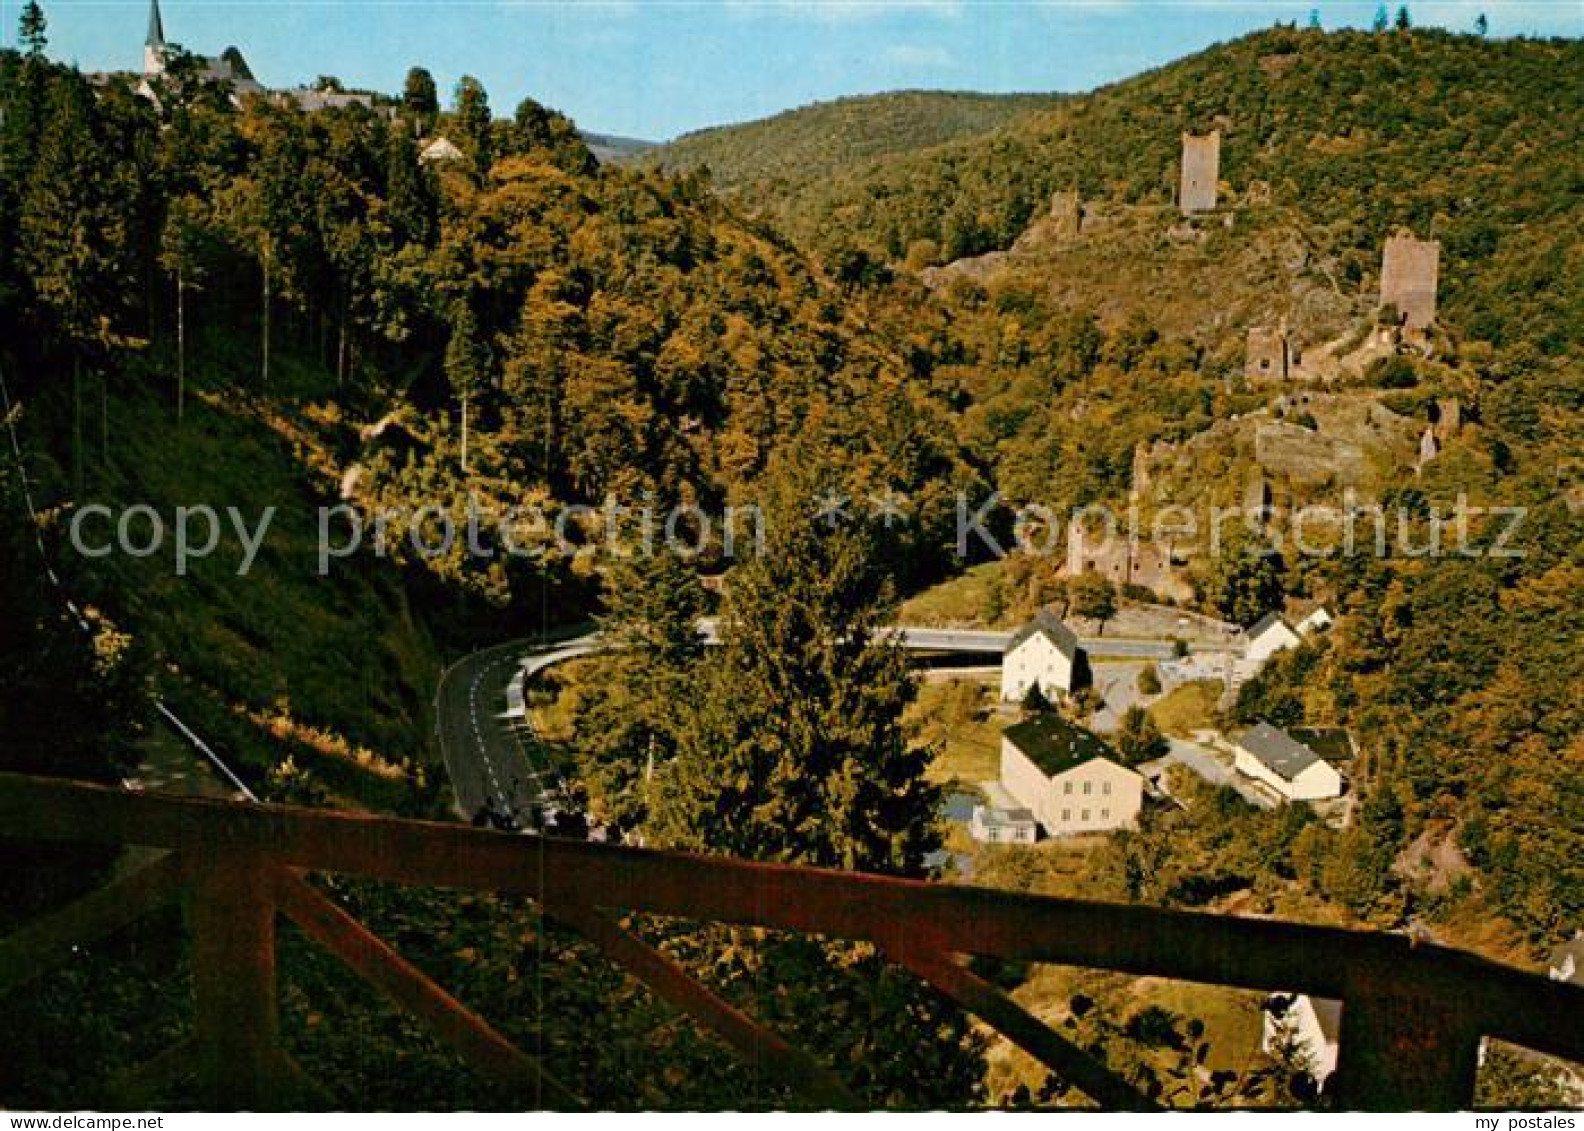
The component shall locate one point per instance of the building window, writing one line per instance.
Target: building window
(1086, 788)
(1086, 814)
(1066, 814)
(1067, 787)
(1105, 788)
(1105, 814)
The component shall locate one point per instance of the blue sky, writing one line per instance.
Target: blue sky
(656, 68)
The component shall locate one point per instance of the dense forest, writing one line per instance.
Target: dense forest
(203, 302)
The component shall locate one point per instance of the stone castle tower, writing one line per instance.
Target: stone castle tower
(1409, 275)
(1201, 173)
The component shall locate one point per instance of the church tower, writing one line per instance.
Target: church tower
(154, 45)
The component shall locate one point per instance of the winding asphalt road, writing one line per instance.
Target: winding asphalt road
(496, 764)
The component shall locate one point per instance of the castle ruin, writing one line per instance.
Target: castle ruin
(1067, 212)
(1409, 273)
(1269, 356)
(1201, 173)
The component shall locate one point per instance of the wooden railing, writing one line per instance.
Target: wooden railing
(1412, 1020)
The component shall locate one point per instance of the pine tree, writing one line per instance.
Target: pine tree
(414, 206)
(474, 123)
(653, 602)
(1404, 20)
(466, 365)
(32, 30)
(185, 256)
(1382, 18)
(420, 98)
(795, 750)
(71, 235)
(1481, 25)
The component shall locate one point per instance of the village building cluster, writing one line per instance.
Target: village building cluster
(1058, 778)
(228, 70)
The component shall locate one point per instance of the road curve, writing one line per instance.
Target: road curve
(494, 763)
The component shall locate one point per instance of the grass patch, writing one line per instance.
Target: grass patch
(956, 718)
(976, 599)
(1188, 708)
(344, 656)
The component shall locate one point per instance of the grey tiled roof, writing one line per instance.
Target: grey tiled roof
(1263, 623)
(1049, 625)
(1278, 750)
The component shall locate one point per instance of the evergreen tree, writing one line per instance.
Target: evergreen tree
(795, 749)
(466, 364)
(185, 256)
(474, 124)
(420, 98)
(410, 194)
(72, 235)
(1404, 20)
(1481, 25)
(653, 601)
(1382, 18)
(32, 30)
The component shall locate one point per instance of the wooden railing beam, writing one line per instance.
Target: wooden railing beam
(1406, 1044)
(447, 1019)
(1069, 1062)
(784, 1063)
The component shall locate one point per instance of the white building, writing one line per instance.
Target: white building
(1069, 778)
(1317, 621)
(440, 149)
(991, 825)
(229, 68)
(1567, 961)
(1267, 636)
(1312, 1023)
(1273, 757)
(1043, 652)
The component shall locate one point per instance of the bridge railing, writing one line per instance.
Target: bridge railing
(1412, 1021)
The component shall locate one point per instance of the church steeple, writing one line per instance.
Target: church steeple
(154, 45)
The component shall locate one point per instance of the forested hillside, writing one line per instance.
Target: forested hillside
(788, 154)
(1340, 137)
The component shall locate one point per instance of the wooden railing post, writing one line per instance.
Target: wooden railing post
(1407, 1043)
(236, 1028)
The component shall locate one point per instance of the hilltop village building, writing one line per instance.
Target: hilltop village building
(1043, 653)
(1068, 778)
(230, 69)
